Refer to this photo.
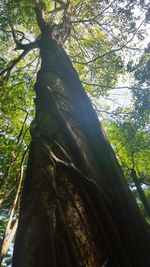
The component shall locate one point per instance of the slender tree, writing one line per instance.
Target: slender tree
(76, 208)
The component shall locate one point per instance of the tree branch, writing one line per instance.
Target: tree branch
(94, 18)
(106, 86)
(99, 57)
(111, 51)
(12, 64)
(40, 14)
(8, 241)
(15, 34)
(112, 87)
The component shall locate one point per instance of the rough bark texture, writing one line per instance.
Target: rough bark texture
(76, 208)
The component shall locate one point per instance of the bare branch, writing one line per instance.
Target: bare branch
(120, 147)
(40, 14)
(8, 241)
(106, 86)
(29, 63)
(16, 34)
(112, 87)
(99, 57)
(12, 64)
(111, 51)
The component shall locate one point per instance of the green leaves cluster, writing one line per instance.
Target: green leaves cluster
(129, 134)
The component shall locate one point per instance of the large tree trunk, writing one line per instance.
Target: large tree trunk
(76, 207)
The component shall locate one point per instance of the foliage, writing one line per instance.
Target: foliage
(129, 134)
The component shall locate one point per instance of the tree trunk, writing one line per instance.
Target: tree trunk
(76, 207)
(141, 192)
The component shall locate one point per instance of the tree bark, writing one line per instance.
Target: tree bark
(76, 208)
